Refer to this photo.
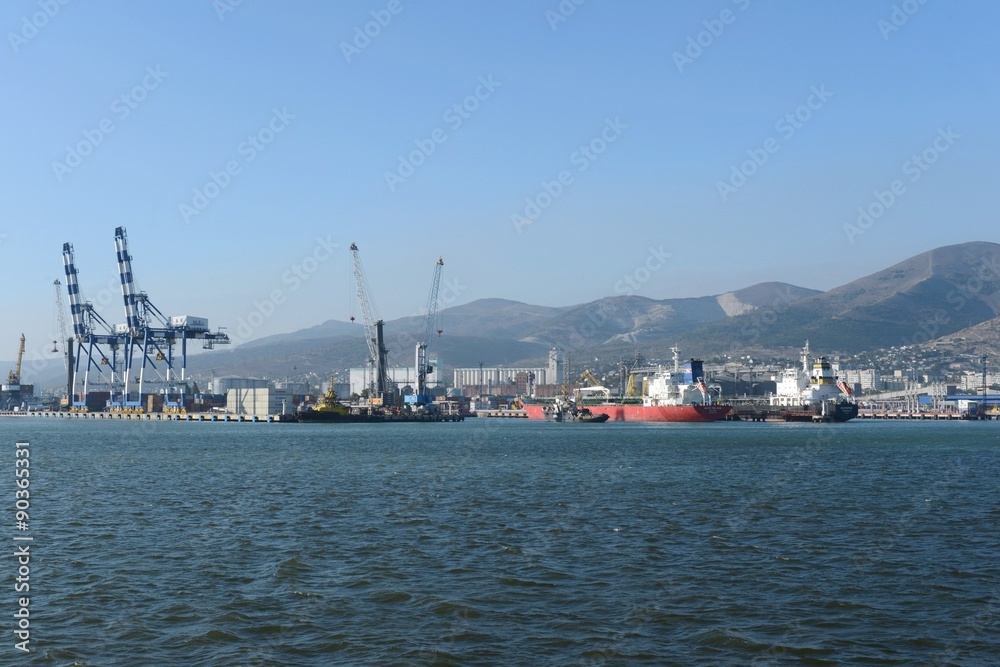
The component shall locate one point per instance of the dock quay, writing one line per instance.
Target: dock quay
(152, 416)
(869, 413)
(208, 417)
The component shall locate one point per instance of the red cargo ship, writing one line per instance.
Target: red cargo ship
(679, 395)
(624, 412)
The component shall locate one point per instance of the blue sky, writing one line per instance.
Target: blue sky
(552, 153)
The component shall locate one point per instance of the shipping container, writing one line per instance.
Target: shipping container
(191, 322)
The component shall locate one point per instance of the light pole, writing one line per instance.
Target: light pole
(983, 360)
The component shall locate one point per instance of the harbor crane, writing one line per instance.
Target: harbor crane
(14, 376)
(64, 338)
(153, 334)
(94, 337)
(10, 392)
(373, 328)
(430, 325)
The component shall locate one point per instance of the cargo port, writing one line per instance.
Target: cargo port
(137, 370)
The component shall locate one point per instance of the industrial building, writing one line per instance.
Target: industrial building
(259, 401)
(500, 379)
(361, 379)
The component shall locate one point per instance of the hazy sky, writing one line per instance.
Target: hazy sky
(552, 153)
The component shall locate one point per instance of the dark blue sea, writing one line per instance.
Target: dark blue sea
(506, 542)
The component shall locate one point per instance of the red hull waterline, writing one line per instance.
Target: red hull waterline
(648, 413)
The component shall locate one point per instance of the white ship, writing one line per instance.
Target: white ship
(807, 393)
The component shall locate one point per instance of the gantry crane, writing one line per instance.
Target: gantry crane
(153, 334)
(430, 325)
(94, 336)
(373, 329)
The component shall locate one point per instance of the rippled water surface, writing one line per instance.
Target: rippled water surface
(503, 542)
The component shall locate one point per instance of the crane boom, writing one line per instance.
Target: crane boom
(432, 301)
(373, 328)
(423, 368)
(361, 284)
(14, 377)
(61, 318)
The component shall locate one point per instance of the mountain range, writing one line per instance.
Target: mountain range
(948, 297)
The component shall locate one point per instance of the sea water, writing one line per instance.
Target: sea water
(505, 542)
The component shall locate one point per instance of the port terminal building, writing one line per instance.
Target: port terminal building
(490, 380)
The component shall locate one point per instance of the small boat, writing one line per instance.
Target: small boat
(564, 411)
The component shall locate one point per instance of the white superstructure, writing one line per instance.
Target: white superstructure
(807, 386)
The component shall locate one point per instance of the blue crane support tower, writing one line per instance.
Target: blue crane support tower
(430, 325)
(95, 339)
(153, 335)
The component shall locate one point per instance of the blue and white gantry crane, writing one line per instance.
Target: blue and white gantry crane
(153, 335)
(122, 355)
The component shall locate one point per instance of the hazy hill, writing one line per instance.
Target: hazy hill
(927, 296)
(983, 338)
(636, 319)
(321, 332)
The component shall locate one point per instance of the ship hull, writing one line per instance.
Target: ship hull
(839, 413)
(337, 417)
(647, 413)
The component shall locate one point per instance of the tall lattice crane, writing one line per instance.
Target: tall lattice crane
(373, 328)
(94, 335)
(14, 376)
(64, 338)
(430, 325)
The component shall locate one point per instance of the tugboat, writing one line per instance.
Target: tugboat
(330, 409)
(815, 396)
(567, 411)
